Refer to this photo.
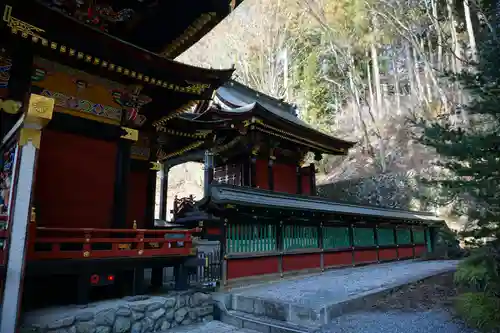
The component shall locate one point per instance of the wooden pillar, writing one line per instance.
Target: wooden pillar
(299, 180)
(412, 240)
(253, 171)
(122, 174)
(396, 241)
(280, 246)
(164, 191)
(208, 172)
(321, 246)
(351, 240)
(270, 175)
(223, 252)
(151, 197)
(157, 272)
(375, 236)
(21, 206)
(22, 180)
(312, 178)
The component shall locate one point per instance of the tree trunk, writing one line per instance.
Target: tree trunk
(376, 79)
(439, 63)
(397, 95)
(470, 31)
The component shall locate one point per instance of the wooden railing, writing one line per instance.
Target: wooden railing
(81, 243)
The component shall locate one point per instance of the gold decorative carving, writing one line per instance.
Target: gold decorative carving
(10, 106)
(162, 156)
(159, 125)
(155, 166)
(33, 215)
(27, 30)
(200, 134)
(290, 137)
(252, 121)
(40, 110)
(30, 134)
(230, 144)
(131, 134)
(187, 35)
(255, 150)
(17, 25)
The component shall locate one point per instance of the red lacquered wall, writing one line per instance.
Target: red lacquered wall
(365, 256)
(136, 199)
(285, 178)
(419, 250)
(387, 254)
(306, 180)
(405, 252)
(262, 174)
(298, 262)
(337, 259)
(74, 181)
(238, 268)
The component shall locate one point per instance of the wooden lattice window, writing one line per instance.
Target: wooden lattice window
(336, 238)
(228, 174)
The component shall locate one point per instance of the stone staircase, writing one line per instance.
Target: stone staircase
(259, 315)
(306, 305)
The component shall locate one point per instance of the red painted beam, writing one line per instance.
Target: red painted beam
(247, 267)
(337, 259)
(365, 256)
(297, 262)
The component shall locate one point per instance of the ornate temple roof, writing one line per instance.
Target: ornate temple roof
(167, 28)
(235, 109)
(123, 42)
(234, 99)
(224, 195)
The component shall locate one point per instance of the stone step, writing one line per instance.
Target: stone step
(209, 327)
(263, 324)
(316, 300)
(293, 314)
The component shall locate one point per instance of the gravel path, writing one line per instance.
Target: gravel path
(339, 285)
(432, 321)
(423, 307)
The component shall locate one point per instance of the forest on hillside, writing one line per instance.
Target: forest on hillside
(416, 84)
(362, 70)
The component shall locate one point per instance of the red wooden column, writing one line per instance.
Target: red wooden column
(312, 179)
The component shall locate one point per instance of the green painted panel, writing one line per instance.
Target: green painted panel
(244, 238)
(336, 237)
(364, 237)
(419, 236)
(300, 237)
(403, 236)
(428, 239)
(385, 237)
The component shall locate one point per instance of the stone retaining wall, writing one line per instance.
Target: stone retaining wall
(138, 314)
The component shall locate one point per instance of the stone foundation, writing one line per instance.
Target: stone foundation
(138, 314)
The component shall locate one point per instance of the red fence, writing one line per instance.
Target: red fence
(80, 243)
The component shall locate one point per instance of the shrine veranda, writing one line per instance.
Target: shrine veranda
(93, 107)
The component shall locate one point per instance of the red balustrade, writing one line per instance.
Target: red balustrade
(89, 243)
